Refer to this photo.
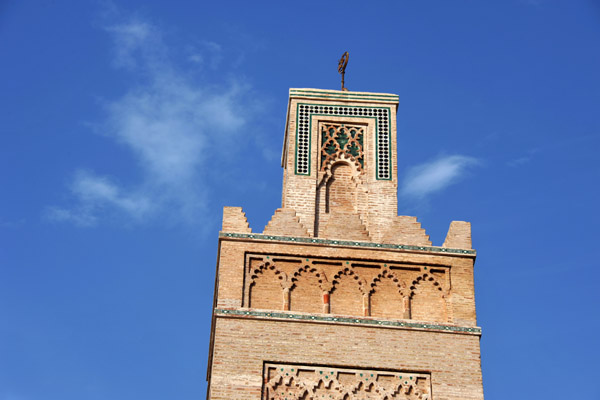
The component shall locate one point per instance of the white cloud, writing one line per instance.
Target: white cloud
(171, 123)
(94, 194)
(100, 190)
(434, 176)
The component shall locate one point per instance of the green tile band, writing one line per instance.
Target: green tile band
(347, 320)
(429, 249)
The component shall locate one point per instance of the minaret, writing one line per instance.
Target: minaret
(339, 297)
(339, 159)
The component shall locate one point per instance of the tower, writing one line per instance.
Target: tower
(339, 297)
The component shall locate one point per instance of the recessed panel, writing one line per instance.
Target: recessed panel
(289, 381)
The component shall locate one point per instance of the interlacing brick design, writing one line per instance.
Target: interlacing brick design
(353, 288)
(299, 382)
(341, 139)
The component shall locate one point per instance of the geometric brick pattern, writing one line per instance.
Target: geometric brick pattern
(294, 382)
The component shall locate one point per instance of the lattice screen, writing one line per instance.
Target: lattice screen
(337, 139)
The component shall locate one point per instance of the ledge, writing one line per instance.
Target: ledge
(325, 94)
(347, 243)
(383, 323)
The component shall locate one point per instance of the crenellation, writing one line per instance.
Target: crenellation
(405, 230)
(459, 235)
(285, 222)
(234, 220)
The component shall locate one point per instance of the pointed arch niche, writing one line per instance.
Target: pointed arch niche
(428, 299)
(307, 291)
(267, 285)
(348, 293)
(388, 297)
(342, 158)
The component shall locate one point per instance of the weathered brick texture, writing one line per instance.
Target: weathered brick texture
(459, 235)
(244, 346)
(405, 230)
(285, 223)
(234, 220)
(343, 225)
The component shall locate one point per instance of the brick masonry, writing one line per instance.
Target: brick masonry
(338, 283)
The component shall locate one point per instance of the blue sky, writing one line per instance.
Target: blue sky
(126, 127)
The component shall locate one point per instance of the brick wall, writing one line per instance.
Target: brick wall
(243, 346)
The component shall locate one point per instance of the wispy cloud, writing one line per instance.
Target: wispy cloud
(172, 124)
(207, 53)
(435, 176)
(131, 41)
(517, 162)
(94, 195)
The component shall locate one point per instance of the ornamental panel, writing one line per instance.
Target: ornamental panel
(295, 382)
(381, 115)
(342, 139)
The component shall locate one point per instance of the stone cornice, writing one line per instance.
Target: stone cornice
(332, 319)
(347, 96)
(349, 243)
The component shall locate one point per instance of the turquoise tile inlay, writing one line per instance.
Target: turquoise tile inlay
(429, 249)
(358, 321)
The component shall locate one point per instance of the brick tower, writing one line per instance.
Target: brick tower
(339, 297)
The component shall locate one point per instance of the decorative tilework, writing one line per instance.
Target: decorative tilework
(429, 249)
(381, 115)
(347, 320)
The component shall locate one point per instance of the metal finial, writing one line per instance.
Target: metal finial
(342, 68)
